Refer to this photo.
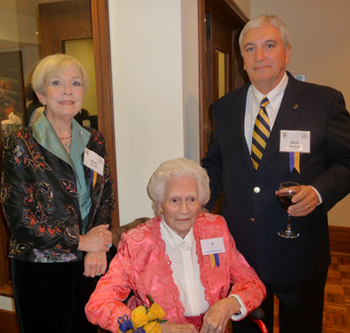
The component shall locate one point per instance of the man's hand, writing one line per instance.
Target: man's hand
(305, 202)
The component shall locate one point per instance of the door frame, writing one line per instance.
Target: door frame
(228, 12)
(104, 87)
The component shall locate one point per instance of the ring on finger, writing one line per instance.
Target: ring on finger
(98, 274)
(109, 245)
(307, 206)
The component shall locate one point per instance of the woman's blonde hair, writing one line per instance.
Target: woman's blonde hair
(53, 64)
(180, 167)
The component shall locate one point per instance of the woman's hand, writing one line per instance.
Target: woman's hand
(171, 327)
(216, 318)
(96, 240)
(95, 264)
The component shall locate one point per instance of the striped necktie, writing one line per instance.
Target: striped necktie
(261, 133)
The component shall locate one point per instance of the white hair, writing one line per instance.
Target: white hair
(180, 167)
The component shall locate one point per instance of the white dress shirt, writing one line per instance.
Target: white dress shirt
(186, 272)
(254, 98)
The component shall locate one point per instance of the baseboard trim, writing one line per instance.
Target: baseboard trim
(8, 322)
(339, 239)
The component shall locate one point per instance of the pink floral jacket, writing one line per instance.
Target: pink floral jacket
(142, 265)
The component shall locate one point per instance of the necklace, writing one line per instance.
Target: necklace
(66, 143)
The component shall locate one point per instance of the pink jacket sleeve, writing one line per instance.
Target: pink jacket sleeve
(246, 283)
(105, 305)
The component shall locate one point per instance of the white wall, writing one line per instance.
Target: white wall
(190, 73)
(244, 5)
(320, 49)
(19, 33)
(30, 57)
(152, 103)
(7, 303)
(18, 28)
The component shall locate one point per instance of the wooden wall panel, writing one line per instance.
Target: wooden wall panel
(61, 21)
(339, 239)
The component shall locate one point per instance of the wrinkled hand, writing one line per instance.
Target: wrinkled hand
(96, 239)
(170, 327)
(95, 264)
(216, 318)
(305, 202)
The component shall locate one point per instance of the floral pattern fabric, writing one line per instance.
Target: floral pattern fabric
(142, 265)
(40, 200)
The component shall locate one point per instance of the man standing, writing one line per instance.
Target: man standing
(279, 129)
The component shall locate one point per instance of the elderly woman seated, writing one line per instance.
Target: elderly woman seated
(185, 260)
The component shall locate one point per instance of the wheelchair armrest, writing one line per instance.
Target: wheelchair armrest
(257, 316)
(258, 313)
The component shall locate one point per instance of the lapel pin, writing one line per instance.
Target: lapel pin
(296, 106)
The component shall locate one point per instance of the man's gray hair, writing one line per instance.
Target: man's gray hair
(271, 19)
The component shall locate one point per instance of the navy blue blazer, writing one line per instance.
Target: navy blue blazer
(254, 218)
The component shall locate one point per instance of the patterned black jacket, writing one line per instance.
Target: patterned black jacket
(40, 202)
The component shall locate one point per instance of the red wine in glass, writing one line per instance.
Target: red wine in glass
(286, 200)
(285, 193)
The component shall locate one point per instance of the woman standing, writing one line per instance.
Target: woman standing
(57, 199)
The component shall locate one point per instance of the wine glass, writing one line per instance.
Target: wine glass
(285, 193)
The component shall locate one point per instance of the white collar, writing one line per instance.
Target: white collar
(275, 95)
(174, 240)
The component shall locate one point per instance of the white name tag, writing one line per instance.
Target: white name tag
(212, 245)
(295, 141)
(94, 161)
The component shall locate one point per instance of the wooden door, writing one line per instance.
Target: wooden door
(220, 62)
(219, 58)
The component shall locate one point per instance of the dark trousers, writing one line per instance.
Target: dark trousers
(50, 297)
(300, 307)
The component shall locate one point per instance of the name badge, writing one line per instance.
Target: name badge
(94, 161)
(295, 141)
(212, 246)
